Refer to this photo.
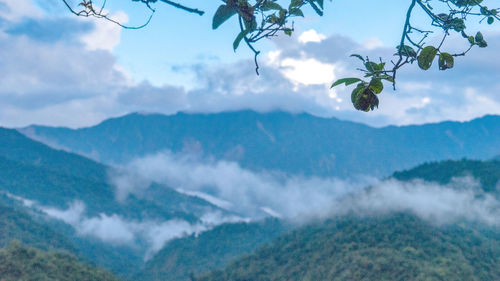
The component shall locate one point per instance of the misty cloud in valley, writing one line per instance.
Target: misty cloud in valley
(253, 195)
(256, 194)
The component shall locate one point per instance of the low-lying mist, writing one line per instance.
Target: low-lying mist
(118, 231)
(461, 199)
(228, 185)
(255, 194)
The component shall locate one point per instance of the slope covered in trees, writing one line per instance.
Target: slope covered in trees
(17, 225)
(14, 146)
(55, 179)
(196, 254)
(384, 246)
(395, 247)
(486, 172)
(19, 262)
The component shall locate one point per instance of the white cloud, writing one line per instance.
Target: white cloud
(224, 204)
(159, 234)
(311, 36)
(251, 193)
(307, 71)
(372, 43)
(116, 230)
(26, 202)
(77, 82)
(462, 199)
(414, 86)
(255, 194)
(15, 10)
(106, 35)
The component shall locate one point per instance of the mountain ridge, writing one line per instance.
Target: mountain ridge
(328, 146)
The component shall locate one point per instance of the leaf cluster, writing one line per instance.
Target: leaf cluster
(413, 49)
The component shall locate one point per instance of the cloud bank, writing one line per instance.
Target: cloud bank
(460, 200)
(248, 192)
(62, 71)
(257, 194)
(148, 235)
(116, 230)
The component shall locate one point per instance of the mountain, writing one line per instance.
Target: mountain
(56, 178)
(292, 143)
(16, 147)
(62, 195)
(487, 172)
(18, 262)
(213, 249)
(52, 189)
(394, 247)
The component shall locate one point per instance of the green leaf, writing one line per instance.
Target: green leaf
(387, 78)
(482, 44)
(376, 86)
(363, 98)
(446, 61)
(484, 11)
(288, 31)
(480, 40)
(250, 25)
(296, 12)
(491, 20)
(374, 67)
(479, 36)
(320, 2)
(346, 81)
(406, 51)
(238, 39)
(295, 3)
(458, 24)
(471, 40)
(222, 14)
(269, 5)
(315, 8)
(426, 57)
(358, 56)
(371, 66)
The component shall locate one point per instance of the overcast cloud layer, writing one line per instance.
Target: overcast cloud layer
(61, 71)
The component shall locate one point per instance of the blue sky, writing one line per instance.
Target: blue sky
(66, 71)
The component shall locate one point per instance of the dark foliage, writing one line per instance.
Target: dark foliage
(396, 247)
(22, 263)
(210, 250)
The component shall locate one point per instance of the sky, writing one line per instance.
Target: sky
(62, 70)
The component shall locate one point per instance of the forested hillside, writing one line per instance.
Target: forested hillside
(486, 172)
(348, 246)
(185, 257)
(391, 245)
(395, 247)
(19, 262)
(17, 225)
(55, 199)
